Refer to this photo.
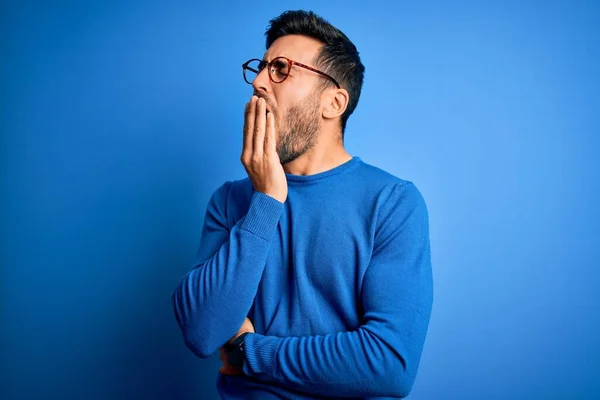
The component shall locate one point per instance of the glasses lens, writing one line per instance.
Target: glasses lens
(279, 68)
(251, 70)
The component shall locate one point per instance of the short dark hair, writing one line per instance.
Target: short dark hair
(338, 57)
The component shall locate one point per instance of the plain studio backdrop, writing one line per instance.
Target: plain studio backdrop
(119, 120)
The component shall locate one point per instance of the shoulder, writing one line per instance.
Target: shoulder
(379, 176)
(398, 201)
(230, 199)
(233, 189)
(390, 188)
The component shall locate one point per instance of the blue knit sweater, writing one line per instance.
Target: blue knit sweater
(337, 282)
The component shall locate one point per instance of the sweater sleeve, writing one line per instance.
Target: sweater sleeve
(230, 265)
(381, 357)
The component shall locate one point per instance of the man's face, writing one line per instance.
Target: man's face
(295, 102)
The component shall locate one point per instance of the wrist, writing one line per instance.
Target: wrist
(235, 351)
(236, 341)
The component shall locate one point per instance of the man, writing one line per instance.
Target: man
(313, 277)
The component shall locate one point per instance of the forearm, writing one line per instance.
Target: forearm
(355, 363)
(203, 302)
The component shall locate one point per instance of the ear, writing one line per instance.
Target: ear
(335, 102)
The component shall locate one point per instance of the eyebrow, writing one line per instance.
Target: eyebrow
(281, 55)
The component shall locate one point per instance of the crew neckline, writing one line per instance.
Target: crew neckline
(325, 174)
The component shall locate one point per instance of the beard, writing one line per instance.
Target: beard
(299, 129)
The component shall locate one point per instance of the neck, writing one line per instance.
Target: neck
(323, 156)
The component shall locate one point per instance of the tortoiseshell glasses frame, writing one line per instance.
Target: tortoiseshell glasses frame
(279, 69)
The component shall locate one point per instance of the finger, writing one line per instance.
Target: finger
(229, 370)
(260, 127)
(270, 146)
(224, 370)
(245, 130)
(249, 116)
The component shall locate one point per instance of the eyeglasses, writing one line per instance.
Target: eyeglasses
(279, 69)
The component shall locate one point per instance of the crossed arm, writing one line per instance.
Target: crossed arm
(380, 358)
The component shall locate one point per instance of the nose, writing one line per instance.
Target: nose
(262, 83)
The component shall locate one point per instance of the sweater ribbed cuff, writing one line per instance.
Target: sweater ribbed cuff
(260, 354)
(263, 215)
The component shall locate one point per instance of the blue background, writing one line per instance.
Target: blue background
(119, 120)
